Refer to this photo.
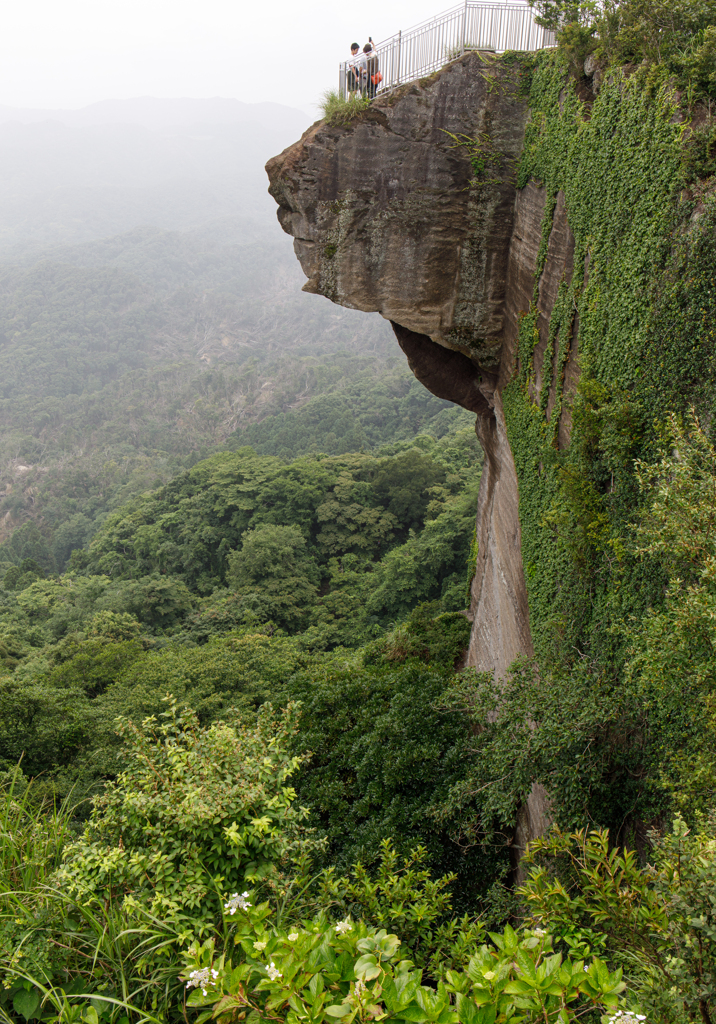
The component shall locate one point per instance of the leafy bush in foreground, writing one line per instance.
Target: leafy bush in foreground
(658, 921)
(321, 972)
(196, 811)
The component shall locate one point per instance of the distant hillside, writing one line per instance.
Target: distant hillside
(73, 176)
(151, 314)
(151, 112)
(124, 360)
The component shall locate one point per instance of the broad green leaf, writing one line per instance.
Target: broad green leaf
(27, 1003)
(316, 985)
(339, 1011)
(389, 946)
(552, 963)
(196, 998)
(481, 998)
(526, 966)
(467, 1010)
(446, 1017)
(295, 1003)
(557, 990)
(367, 967)
(412, 1013)
(519, 988)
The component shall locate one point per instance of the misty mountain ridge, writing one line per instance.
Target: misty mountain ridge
(75, 176)
(153, 112)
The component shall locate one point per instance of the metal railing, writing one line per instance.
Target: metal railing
(428, 46)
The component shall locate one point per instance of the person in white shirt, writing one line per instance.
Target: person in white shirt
(353, 72)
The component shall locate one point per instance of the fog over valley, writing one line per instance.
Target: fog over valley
(152, 308)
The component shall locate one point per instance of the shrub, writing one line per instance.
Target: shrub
(401, 895)
(659, 921)
(677, 34)
(197, 811)
(325, 972)
(338, 111)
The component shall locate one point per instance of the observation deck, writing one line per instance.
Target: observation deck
(423, 49)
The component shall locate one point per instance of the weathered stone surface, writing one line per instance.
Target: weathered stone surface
(522, 261)
(533, 819)
(446, 373)
(592, 70)
(387, 215)
(501, 630)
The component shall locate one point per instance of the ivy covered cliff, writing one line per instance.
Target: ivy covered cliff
(540, 234)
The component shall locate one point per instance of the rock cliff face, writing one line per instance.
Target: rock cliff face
(411, 210)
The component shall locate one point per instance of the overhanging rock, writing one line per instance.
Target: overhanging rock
(411, 210)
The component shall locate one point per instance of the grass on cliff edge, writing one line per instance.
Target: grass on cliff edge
(339, 111)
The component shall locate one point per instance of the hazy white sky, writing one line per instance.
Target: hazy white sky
(69, 53)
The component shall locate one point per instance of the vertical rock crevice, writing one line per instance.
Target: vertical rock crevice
(499, 607)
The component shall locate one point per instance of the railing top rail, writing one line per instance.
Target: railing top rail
(509, 5)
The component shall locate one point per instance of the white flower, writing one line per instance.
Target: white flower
(237, 902)
(358, 993)
(200, 979)
(344, 926)
(540, 931)
(272, 972)
(293, 936)
(259, 946)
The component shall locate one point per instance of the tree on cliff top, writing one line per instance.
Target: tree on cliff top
(681, 34)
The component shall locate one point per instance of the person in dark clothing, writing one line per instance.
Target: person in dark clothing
(372, 67)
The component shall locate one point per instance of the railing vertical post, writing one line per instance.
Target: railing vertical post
(400, 40)
(464, 28)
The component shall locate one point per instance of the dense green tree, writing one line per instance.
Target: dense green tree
(273, 573)
(59, 713)
(158, 601)
(28, 544)
(349, 519)
(383, 754)
(430, 565)
(340, 504)
(403, 483)
(71, 535)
